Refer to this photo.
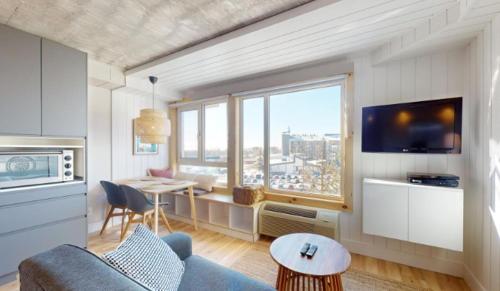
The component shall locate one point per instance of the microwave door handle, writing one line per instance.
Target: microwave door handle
(60, 173)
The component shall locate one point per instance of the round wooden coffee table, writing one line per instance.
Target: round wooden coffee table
(321, 272)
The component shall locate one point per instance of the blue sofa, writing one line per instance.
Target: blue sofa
(69, 267)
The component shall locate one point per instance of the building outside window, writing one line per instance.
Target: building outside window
(292, 141)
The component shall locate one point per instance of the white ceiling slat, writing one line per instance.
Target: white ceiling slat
(367, 24)
(324, 19)
(266, 56)
(334, 31)
(358, 19)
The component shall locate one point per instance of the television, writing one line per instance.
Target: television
(433, 126)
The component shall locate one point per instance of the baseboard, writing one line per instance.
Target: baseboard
(472, 280)
(432, 264)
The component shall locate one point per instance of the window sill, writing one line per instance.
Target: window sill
(332, 204)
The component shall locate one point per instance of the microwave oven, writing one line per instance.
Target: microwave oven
(28, 168)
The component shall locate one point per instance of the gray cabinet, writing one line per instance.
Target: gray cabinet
(64, 91)
(20, 108)
(36, 219)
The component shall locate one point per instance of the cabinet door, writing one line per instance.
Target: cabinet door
(64, 91)
(385, 210)
(20, 111)
(436, 217)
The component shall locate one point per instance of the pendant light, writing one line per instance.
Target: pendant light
(152, 125)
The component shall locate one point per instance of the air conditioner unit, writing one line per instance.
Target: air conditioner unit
(277, 219)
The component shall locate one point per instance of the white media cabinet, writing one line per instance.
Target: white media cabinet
(428, 215)
(216, 212)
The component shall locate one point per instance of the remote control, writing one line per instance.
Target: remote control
(304, 249)
(311, 251)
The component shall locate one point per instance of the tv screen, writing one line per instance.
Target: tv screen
(419, 127)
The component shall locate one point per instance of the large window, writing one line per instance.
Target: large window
(203, 139)
(253, 141)
(292, 141)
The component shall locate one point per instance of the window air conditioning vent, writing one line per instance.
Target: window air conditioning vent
(277, 219)
(296, 211)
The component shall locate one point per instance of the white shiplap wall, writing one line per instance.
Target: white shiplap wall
(432, 76)
(126, 107)
(482, 236)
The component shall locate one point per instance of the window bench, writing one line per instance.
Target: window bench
(216, 212)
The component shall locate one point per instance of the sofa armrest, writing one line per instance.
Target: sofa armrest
(180, 243)
(69, 267)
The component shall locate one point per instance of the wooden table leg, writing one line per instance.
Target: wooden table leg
(156, 202)
(193, 207)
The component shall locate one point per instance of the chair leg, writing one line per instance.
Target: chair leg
(165, 220)
(130, 218)
(107, 219)
(150, 221)
(123, 222)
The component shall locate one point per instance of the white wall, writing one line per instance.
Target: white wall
(433, 76)
(482, 236)
(98, 153)
(126, 107)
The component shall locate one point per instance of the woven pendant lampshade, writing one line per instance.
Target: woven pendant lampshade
(152, 125)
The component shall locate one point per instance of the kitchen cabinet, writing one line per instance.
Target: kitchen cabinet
(64, 91)
(20, 80)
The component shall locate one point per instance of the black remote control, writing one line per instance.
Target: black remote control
(311, 251)
(304, 249)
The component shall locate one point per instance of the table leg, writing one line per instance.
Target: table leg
(193, 207)
(155, 226)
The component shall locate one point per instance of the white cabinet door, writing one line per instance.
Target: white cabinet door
(385, 210)
(436, 217)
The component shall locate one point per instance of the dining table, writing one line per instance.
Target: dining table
(156, 186)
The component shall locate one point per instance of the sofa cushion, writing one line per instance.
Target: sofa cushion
(201, 274)
(148, 259)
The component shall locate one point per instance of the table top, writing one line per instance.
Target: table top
(156, 185)
(330, 258)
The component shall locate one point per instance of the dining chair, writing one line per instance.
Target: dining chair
(139, 204)
(116, 199)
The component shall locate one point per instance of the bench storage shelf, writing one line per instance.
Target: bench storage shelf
(216, 212)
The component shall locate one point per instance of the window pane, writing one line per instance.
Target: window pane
(253, 141)
(189, 131)
(305, 148)
(219, 172)
(216, 132)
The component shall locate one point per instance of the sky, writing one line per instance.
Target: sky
(315, 111)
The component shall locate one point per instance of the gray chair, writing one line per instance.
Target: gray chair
(139, 204)
(116, 199)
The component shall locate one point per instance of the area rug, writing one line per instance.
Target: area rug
(258, 264)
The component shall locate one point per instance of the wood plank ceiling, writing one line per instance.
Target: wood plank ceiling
(334, 30)
(131, 32)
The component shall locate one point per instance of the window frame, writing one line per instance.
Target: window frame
(200, 159)
(266, 95)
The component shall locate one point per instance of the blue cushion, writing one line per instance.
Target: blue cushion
(201, 274)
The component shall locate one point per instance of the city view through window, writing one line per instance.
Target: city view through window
(304, 141)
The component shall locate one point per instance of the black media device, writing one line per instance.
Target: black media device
(418, 127)
(443, 180)
(312, 250)
(304, 249)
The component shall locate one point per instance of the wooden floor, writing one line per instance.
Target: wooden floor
(226, 250)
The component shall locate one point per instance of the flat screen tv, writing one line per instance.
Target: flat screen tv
(419, 127)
